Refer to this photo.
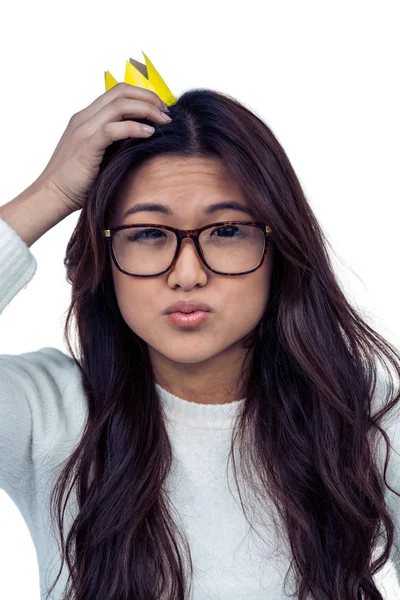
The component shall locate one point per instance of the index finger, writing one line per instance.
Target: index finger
(120, 89)
(134, 91)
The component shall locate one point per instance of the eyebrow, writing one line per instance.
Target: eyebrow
(165, 210)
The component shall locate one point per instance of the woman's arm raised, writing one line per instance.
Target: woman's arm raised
(75, 163)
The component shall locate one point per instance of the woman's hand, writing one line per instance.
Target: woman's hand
(76, 160)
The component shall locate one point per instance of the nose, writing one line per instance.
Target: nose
(188, 270)
(188, 251)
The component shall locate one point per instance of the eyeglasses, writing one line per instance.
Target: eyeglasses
(226, 248)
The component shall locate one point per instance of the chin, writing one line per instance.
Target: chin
(187, 353)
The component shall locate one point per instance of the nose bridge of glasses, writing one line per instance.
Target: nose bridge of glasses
(185, 235)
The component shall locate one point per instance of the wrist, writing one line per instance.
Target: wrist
(48, 190)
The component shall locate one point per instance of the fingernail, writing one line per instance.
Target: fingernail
(165, 107)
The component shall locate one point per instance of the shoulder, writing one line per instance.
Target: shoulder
(42, 388)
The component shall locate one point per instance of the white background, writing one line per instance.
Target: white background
(323, 75)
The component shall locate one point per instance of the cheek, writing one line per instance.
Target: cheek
(137, 303)
(254, 286)
(250, 310)
(244, 301)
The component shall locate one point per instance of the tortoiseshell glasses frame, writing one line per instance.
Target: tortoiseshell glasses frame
(181, 234)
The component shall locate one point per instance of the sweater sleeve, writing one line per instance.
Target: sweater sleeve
(17, 264)
(34, 386)
(17, 267)
(391, 426)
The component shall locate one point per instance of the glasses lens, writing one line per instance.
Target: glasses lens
(232, 248)
(144, 250)
(227, 249)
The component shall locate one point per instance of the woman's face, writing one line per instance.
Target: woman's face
(187, 187)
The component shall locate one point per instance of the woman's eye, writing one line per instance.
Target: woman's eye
(226, 231)
(146, 234)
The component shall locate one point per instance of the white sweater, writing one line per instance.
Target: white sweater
(42, 412)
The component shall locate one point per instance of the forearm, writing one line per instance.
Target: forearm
(34, 212)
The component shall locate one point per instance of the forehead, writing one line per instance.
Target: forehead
(171, 180)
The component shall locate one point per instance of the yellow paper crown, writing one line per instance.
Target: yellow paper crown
(145, 76)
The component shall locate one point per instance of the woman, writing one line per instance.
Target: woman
(226, 403)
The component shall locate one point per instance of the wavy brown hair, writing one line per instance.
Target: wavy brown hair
(307, 427)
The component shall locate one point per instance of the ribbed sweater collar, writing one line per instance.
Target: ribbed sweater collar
(196, 415)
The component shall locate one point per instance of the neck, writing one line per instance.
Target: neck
(214, 381)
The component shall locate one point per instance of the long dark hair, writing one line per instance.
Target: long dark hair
(307, 427)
